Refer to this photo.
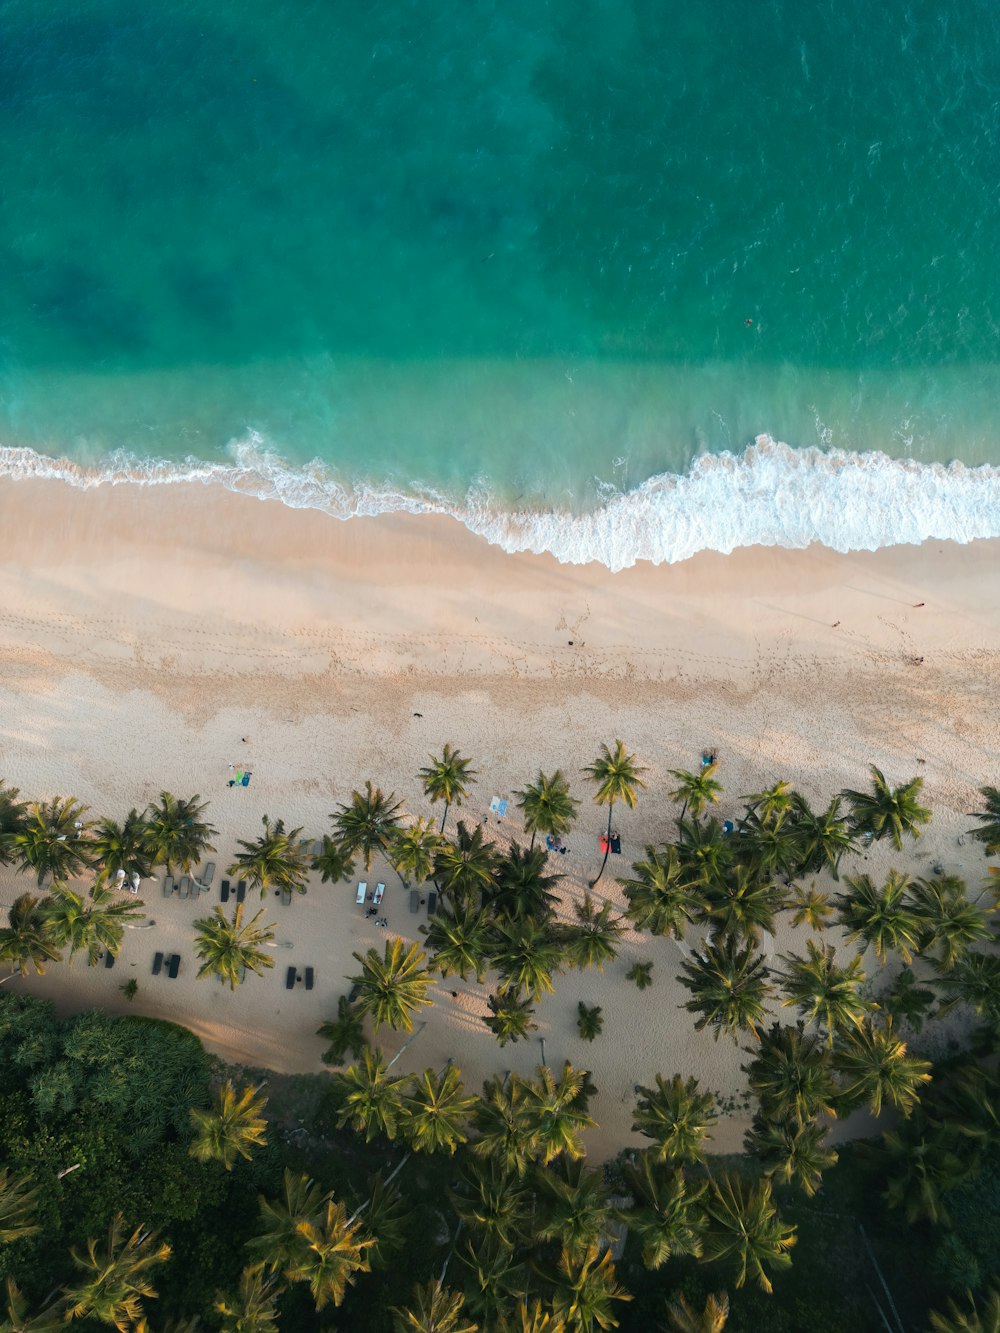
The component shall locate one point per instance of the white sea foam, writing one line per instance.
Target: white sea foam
(770, 495)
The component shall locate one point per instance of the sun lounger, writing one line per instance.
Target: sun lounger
(241, 891)
(290, 978)
(157, 963)
(168, 886)
(245, 779)
(414, 901)
(224, 891)
(184, 887)
(362, 892)
(379, 892)
(432, 902)
(310, 978)
(317, 847)
(109, 958)
(205, 883)
(616, 845)
(286, 897)
(175, 966)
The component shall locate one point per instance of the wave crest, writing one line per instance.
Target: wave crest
(770, 495)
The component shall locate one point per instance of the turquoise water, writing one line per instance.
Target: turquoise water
(549, 266)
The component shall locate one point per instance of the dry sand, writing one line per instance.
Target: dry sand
(144, 632)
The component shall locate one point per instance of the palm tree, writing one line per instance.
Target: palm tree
(95, 924)
(791, 1151)
(592, 943)
(677, 1116)
(227, 948)
(641, 973)
(521, 888)
(53, 840)
(254, 1309)
(773, 805)
(434, 1309)
(950, 922)
(684, 1318)
(371, 1100)
(13, 815)
(445, 780)
(812, 908)
(465, 867)
(876, 1067)
(18, 1320)
(280, 1239)
(393, 987)
(276, 860)
(660, 898)
(883, 917)
(548, 807)
(526, 956)
(231, 1128)
(771, 849)
(495, 1278)
(114, 1280)
(668, 1215)
(908, 1001)
(555, 1112)
(705, 851)
(729, 987)
(585, 1289)
(332, 1253)
(824, 993)
(617, 778)
(744, 1229)
(975, 981)
(369, 824)
(744, 905)
(344, 1033)
(989, 819)
(572, 1207)
(921, 1167)
(696, 791)
(18, 1202)
(589, 1021)
(824, 839)
(459, 944)
(791, 1075)
(437, 1110)
(121, 847)
(177, 837)
(502, 1120)
(413, 850)
(531, 1318)
(492, 1200)
(887, 810)
(333, 862)
(511, 1017)
(27, 940)
(969, 1320)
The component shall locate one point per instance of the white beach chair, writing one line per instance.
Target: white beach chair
(362, 892)
(379, 891)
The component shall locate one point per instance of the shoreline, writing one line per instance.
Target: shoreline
(145, 631)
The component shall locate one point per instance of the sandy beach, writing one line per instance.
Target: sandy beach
(145, 632)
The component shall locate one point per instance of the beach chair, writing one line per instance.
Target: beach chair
(362, 892)
(175, 966)
(286, 897)
(290, 978)
(184, 887)
(432, 902)
(317, 847)
(109, 958)
(205, 883)
(224, 891)
(379, 893)
(157, 963)
(310, 978)
(241, 891)
(616, 845)
(414, 901)
(168, 886)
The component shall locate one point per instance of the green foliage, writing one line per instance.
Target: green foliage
(641, 973)
(589, 1020)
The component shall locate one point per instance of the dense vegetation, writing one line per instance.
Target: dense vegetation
(137, 1182)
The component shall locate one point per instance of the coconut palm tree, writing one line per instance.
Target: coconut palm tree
(744, 905)
(908, 1001)
(113, 1280)
(773, 805)
(526, 956)
(19, 1320)
(978, 1316)
(668, 1215)
(548, 807)
(950, 922)
(771, 849)
(975, 981)
(883, 917)
(572, 1206)
(641, 972)
(228, 948)
(589, 1020)
(18, 1204)
(495, 1278)
(413, 850)
(334, 864)
(177, 835)
(371, 1100)
(333, 1252)
(705, 852)
(729, 987)
(433, 1309)
(660, 897)
(812, 908)
(369, 824)
(677, 1116)
(531, 1317)
(875, 1067)
(13, 816)
(463, 869)
(53, 840)
(345, 1033)
(824, 993)
(617, 777)
(254, 1308)
(921, 1167)
(887, 811)
(988, 832)
(492, 1200)
(280, 1239)
(446, 779)
(556, 1112)
(459, 943)
(520, 886)
(592, 942)
(94, 924)
(121, 847)
(791, 1076)
(387, 1215)
(27, 940)
(745, 1230)
(824, 839)
(393, 987)
(585, 1289)
(682, 1317)
(791, 1151)
(696, 791)
(511, 1016)
(437, 1110)
(230, 1128)
(502, 1121)
(276, 860)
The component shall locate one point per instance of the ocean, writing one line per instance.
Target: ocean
(619, 280)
